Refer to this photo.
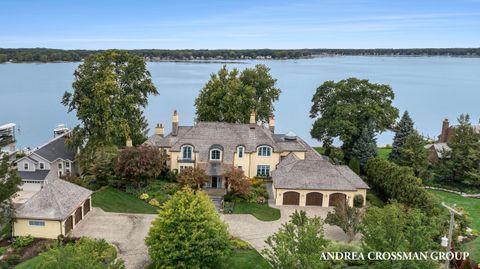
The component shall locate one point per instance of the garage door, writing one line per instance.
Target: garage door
(78, 215)
(337, 199)
(314, 198)
(68, 224)
(291, 198)
(86, 207)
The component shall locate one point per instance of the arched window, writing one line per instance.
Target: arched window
(240, 151)
(215, 154)
(264, 151)
(187, 152)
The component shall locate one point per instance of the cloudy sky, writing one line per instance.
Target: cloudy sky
(100, 24)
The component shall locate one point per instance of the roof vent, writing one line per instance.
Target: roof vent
(290, 136)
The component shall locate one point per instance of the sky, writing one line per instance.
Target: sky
(245, 24)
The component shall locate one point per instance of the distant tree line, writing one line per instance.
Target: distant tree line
(57, 55)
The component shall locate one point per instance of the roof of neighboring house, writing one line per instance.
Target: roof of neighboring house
(36, 175)
(314, 173)
(440, 148)
(55, 201)
(203, 135)
(55, 149)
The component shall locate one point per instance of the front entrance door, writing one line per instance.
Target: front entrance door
(215, 183)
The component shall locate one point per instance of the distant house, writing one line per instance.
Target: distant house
(299, 174)
(50, 161)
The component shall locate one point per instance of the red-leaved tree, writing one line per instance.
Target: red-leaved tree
(238, 182)
(139, 165)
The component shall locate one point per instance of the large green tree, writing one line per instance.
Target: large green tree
(9, 181)
(342, 109)
(230, 96)
(365, 147)
(395, 228)
(109, 93)
(299, 243)
(462, 162)
(347, 218)
(187, 233)
(414, 155)
(403, 130)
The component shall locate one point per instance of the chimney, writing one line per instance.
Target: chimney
(444, 134)
(253, 119)
(175, 123)
(129, 143)
(271, 123)
(159, 130)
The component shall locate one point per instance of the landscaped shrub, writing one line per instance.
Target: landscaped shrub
(144, 196)
(22, 241)
(239, 244)
(3, 250)
(258, 192)
(228, 207)
(358, 201)
(154, 202)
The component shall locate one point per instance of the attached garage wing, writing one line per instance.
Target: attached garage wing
(314, 199)
(291, 198)
(337, 199)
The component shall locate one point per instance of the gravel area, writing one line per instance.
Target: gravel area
(126, 231)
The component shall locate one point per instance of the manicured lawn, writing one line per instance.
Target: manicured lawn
(240, 259)
(384, 152)
(260, 211)
(472, 207)
(113, 200)
(32, 263)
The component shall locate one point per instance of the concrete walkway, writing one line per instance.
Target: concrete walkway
(254, 231)
(126, 231)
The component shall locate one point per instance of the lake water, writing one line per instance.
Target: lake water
(430, 88)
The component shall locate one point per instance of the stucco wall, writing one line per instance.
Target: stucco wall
(51, 230)
(326, 195)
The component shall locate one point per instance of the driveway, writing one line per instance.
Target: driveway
(254, 231)
(126, 231)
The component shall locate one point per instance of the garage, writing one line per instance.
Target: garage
(314, 199)
(86, 207)
(337, 199)
(78, 215)
(68, 224)
(291, 198)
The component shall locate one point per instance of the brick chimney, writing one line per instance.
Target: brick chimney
(445, 130)
(271, 123)
(175, 123)
(159, 130)
(253, 119)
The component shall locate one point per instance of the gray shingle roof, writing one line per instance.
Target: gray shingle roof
(203, 135)
(56, 201)
(55, 149)
(440, 148)
(314, 173)
(37, 175)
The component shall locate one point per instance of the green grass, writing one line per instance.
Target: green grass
(113, 200)
(262, 212)
(384, 152)
(320, 150)
(241, 259)
(472, 207)
(32, 263)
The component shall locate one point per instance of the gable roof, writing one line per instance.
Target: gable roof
(314, 173)
(55, 149)
(36, 175)
(55, 201)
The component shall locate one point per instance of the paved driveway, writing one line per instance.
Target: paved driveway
(254, 231)
(126, 231)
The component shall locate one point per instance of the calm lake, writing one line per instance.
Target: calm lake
(430, 88)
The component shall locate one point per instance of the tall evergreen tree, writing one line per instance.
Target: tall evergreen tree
(9, 181)
(402, 131)
(462, 162)
(414, 155)
(365, 146)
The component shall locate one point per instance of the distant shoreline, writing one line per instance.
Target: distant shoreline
(44, 55)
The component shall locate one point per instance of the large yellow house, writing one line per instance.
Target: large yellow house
(300, 176)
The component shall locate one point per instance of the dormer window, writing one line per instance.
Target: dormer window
(187, 152)
(41, 166)
(264, 151)
(25, 166)
(240, 151)
(215, 155)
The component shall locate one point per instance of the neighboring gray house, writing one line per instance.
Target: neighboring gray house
(50, 161)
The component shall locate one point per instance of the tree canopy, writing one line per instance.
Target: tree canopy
(403, 130)
(414, 155)
(231, 96)
(188, 233)
(347, 218)
(193, 177)
(342, 110)
(9, 181)
(109, 92)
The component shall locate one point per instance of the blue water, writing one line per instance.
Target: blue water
(430, 88)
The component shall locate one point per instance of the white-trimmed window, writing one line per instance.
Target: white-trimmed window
(263, 170)
(67, 164)
(264, 151)
(240, 151)
(41, 166)
(25, 166)
(215, 154)
(187, 152)
(39, 223)
(59, 165)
